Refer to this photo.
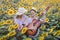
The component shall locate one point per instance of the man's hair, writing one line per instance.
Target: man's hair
(33, 10)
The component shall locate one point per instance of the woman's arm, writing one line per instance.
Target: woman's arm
(25, 20)
(16, 21)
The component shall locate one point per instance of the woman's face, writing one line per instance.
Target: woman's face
(20, 16)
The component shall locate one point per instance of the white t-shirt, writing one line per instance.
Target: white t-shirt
(25, 20)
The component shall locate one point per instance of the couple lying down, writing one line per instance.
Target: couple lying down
(31, 23)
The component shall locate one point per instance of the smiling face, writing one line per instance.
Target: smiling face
(19, 16)
(33, 12)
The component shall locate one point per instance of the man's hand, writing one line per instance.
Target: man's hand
(33, 28)
(48, 7)
(44, 14)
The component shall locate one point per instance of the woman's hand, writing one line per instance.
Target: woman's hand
(19, 28)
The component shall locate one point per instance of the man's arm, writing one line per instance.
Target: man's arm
(42, 19)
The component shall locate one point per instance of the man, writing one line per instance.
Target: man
(35, 24)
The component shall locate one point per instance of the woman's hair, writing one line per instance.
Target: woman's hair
(17, 16)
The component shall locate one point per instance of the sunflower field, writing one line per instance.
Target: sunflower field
(48, 31)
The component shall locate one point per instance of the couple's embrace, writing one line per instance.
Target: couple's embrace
(31, 23)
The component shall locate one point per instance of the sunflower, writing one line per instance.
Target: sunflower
(40, 13)
(30, 7)
(24, 30)
(12, 0)
(57, 33)
(54, 27)
(41, 38)
(40, 0)
(2, 22)
(29, 2)
(9, 21)
(10, 27)
(15, 26)
(10, 12)
(43, 27)
(58, 1)
(16, 11)
(34, 0)
(6, 0)
(28, 39)
(45, 3)
(20, 4)
(23, 1)
(51, 30)
(12, 33)
(8, 3)
(0, 12)
(26, 7)
(43, 6)
(47, 20)
(2, 5)
(3, 38)
(11, 8)
(45, 34)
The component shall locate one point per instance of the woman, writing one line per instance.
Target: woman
(21, 19)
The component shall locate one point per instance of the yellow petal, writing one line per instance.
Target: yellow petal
(24, 30)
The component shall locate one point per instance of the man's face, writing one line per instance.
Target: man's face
(32, 13)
